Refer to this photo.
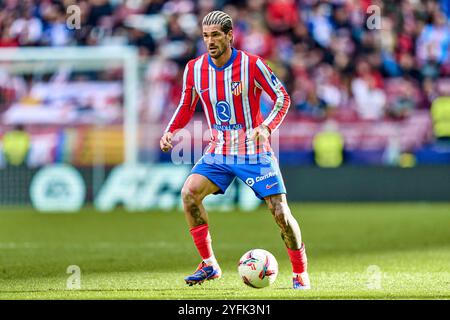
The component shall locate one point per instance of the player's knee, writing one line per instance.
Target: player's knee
(190, 196)
(275, 204)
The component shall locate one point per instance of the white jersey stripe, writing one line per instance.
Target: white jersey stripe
(243, 96)
(270, 118)
(266, 74)
(278, 91)
(197, 81)
(245, 103)
(181, 100)
(213, 100)
(234, 134)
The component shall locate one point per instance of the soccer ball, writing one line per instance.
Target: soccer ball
(258, 268)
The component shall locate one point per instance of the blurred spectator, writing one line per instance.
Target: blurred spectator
(319, 25)
(391, 154)
(178, 46)
(434, 41)
(281, 15)
(328, 146)
(311, 104)
(429, 93)
(7, 39)
(369, 97)
(161, 74)
(325, 55)
(440, 111)
(16, 144)
(328, 86)
(152, 6)
(177, 7)
(370, 101)
(404, 102)
(97, 10)
(27, 29)
(55, 32)
(257, 39)
(407, 67)
(142, 40)
(445, 6)
(12, 88)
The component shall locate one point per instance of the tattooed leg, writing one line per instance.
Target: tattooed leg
(290, 231)
(195, 189)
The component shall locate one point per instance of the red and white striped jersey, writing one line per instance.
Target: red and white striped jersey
(230, 96)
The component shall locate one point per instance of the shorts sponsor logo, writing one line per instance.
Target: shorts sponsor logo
(250, 182)
(269, 186)
(266, 176)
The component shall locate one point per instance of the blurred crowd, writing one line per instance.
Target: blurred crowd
(336, 57)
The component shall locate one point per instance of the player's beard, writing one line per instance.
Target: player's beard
(219, 52)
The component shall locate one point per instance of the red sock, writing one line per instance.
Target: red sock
(202, 240)
(298, 259)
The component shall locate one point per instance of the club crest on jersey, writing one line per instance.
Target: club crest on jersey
(236, 87)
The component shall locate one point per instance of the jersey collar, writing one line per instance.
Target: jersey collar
(229, 62)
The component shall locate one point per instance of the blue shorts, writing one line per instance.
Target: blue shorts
(260, 172)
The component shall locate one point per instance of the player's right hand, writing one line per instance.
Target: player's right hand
(166, 142)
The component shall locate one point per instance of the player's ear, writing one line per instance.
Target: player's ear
(230, 36)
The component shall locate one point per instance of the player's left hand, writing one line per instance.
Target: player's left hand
(262, 133)
(166, 142)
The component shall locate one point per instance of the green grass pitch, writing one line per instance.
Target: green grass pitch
(355, 251)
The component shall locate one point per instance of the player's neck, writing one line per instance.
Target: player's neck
(223, 59)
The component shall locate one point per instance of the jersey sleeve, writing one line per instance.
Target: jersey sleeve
(266, 79)
(188, 101)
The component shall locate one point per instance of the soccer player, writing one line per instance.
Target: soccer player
(229, 83)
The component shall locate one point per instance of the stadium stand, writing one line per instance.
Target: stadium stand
(378, 84)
